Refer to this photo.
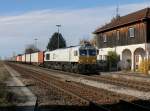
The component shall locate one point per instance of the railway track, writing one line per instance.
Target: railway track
(132, 74)
(96, 98)
(141, 86)
(133, 84)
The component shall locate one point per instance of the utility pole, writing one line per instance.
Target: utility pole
(117, 11)
(58, 34)
(36, 43)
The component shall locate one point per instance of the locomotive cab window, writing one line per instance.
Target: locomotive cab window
(100, 57)
(83, 52)
(47, 56)
(75, 53)
(54, 56)
(92, 52)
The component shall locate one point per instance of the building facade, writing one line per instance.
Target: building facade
(129, 36)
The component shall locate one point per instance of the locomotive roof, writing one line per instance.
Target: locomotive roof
(63, 48)
(86, 46)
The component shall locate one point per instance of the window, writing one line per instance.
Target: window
(54, 56)
(92, 52)
(75, 53)
(137, 58)
(105, 57)
(47, 56)
(83, 52)
(118, 34)
(105, 38)
(100, 57)
(131, 32)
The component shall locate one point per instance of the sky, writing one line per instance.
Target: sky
(21, 21)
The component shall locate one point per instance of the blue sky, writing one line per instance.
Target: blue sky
(21, 21)
(20, 6)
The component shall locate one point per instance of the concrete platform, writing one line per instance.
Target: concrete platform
(26, 98)
(136, 76)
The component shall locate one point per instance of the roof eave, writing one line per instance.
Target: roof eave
(107, 29)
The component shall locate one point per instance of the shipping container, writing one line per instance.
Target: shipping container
(41, 57)
(19, 58)
(28, 58)
(37, 58)
(24, 58)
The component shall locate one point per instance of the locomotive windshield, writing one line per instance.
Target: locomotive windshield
(89, 52)
(83, 52)
(92, 52)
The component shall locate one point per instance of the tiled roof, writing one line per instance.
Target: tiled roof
(124, 20)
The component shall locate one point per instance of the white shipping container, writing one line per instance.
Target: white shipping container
(28, 58)
(23, 58)
(17, 58)
(34, 57)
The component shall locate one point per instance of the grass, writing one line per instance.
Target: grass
(5, 95)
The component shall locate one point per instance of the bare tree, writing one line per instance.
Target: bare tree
(93, 41)
(31, 49)
(84, 41)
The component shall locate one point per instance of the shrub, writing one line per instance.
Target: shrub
(113, 59)
(144, 66)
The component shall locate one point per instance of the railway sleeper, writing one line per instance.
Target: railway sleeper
(96, 107)
(133, 106)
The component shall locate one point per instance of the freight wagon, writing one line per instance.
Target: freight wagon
(19, 58)
(78, 59)
(23, 58)
(37, 58)
(28, 58)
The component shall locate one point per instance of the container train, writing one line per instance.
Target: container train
(77, 59)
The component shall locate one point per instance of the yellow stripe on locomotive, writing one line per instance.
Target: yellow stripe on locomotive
(87, 60)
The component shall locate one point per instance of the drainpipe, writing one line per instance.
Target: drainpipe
(146, 44)
(132, 62)
(146, 36)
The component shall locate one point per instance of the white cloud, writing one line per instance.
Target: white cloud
(18, 31)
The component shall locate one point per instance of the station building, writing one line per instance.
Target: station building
(128, 35)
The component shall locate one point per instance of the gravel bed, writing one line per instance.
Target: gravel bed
(51, 95)
(99, 96)
(141, 86)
